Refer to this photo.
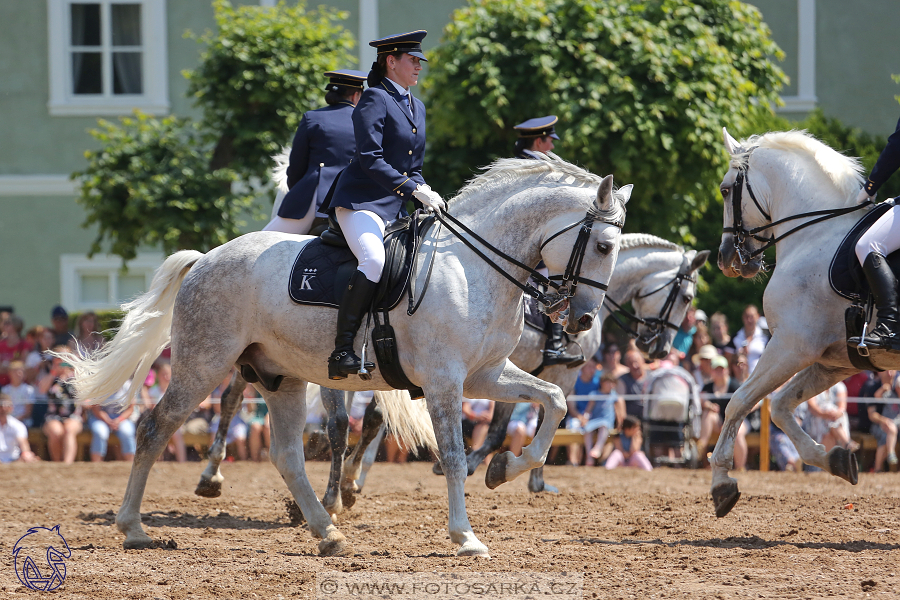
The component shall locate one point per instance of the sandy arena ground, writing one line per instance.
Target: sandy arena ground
(632, 534)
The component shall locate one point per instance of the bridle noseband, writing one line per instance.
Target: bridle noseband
(740, 233)
(655, 325)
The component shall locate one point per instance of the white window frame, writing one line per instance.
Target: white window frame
(806, 99)
(73, 266)
(155, 98)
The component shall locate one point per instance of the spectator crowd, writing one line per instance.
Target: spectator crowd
(616, 395)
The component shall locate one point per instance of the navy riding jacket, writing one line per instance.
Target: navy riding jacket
(390, 150)
(888, 162)
(323, 146)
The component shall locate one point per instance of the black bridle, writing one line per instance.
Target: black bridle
(569, 280)
(740, 233)
(655, 325)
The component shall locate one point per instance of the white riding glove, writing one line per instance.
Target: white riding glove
(863, 196)
(429, 198)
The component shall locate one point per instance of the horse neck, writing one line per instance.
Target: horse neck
(635, 264)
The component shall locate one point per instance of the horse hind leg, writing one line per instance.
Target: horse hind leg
(287, 408)
(337, 427)
(496, 434)
(211, 479)
(536, 483)
(181, 398)
(373, 424)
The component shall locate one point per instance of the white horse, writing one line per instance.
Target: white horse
(786, 174)
(230, 306)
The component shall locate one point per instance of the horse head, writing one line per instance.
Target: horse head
(591, 249)
(736, 250)
(662, 301)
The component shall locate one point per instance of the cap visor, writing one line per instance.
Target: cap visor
(418, 55)
(554, 136)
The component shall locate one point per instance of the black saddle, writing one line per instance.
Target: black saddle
(845, 274)
(322, 269)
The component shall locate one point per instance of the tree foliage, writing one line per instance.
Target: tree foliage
(642, 89)
(151, 184)
(169, 181)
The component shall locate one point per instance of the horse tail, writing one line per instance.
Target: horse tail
(144, 333)
(407, 419)
(279, 171)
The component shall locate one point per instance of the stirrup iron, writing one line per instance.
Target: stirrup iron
(862, 348)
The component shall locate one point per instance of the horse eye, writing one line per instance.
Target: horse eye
(603, 248)
(686, 299)
(724, 192)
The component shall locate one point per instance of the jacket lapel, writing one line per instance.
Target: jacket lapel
(398, 99)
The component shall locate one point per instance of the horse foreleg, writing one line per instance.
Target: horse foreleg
(338, 424)
(515, 385)
(445, 408)
(371, 427)
(211, 479)
(288, 416)
(536, 482)
(810, 382)
(771, 371)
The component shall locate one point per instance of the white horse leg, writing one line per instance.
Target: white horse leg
(809, 382)
(515, 385)
(185, 393)
(445, 408)
(337, 426)
(771, 371)
(368, 458)
(287, 407)
(211, 479)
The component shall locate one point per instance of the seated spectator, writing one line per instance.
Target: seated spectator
(631, 384)
(256, 416)
(38, 361)
(62, 422)
(750, 339)
(477, 415)
(601, 413)
(627, 447)
(826, 421)
(885, 419)
(61, 334)
(588, 383)
(685, 335)
(87, 339)
(740, 367)
(716, 395)
(702, 363)
(112, 418)
(701, 340)
(13, 435)
(13, 347)
(21, 394)
(612, 361)
(522, 425)
(718, 331)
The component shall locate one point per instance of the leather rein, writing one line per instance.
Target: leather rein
(655, 325)
(740, 233)
(568, 281)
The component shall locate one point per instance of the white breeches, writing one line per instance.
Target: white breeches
(364, 232)
(295, 226)
(882, 237)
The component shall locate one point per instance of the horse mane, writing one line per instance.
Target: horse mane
(645, 240)
(529, 173)
(845, 172)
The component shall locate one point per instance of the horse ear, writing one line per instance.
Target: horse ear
(625, 192)
(604, 192)
(699, 260)
(731, 144)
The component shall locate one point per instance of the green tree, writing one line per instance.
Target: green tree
(642, 89)
(169, 181)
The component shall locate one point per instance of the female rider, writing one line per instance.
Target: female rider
(389, 127)
(875, 245)
(323, 146)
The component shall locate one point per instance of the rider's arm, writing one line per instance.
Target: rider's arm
(299, 160)
(888, 162)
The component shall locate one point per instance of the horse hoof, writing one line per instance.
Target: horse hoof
(437, 469)
(348, 497)
(843, 463)
(334, 545)
(496, 471)
(209, 488)
(146, 543)
(473, 548)
(545, 488)
(725, 496)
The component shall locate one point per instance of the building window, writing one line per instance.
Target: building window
(99, 283)
(107, 57)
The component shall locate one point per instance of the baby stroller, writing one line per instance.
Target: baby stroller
(671, 423)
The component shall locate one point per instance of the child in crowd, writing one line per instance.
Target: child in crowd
(628, 447)
(601, 417)
(21, 394)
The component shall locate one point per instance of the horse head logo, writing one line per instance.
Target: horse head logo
(40, 558)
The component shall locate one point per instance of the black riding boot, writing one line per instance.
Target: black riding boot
(555, 348)
(354, 306)
(886, 335)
